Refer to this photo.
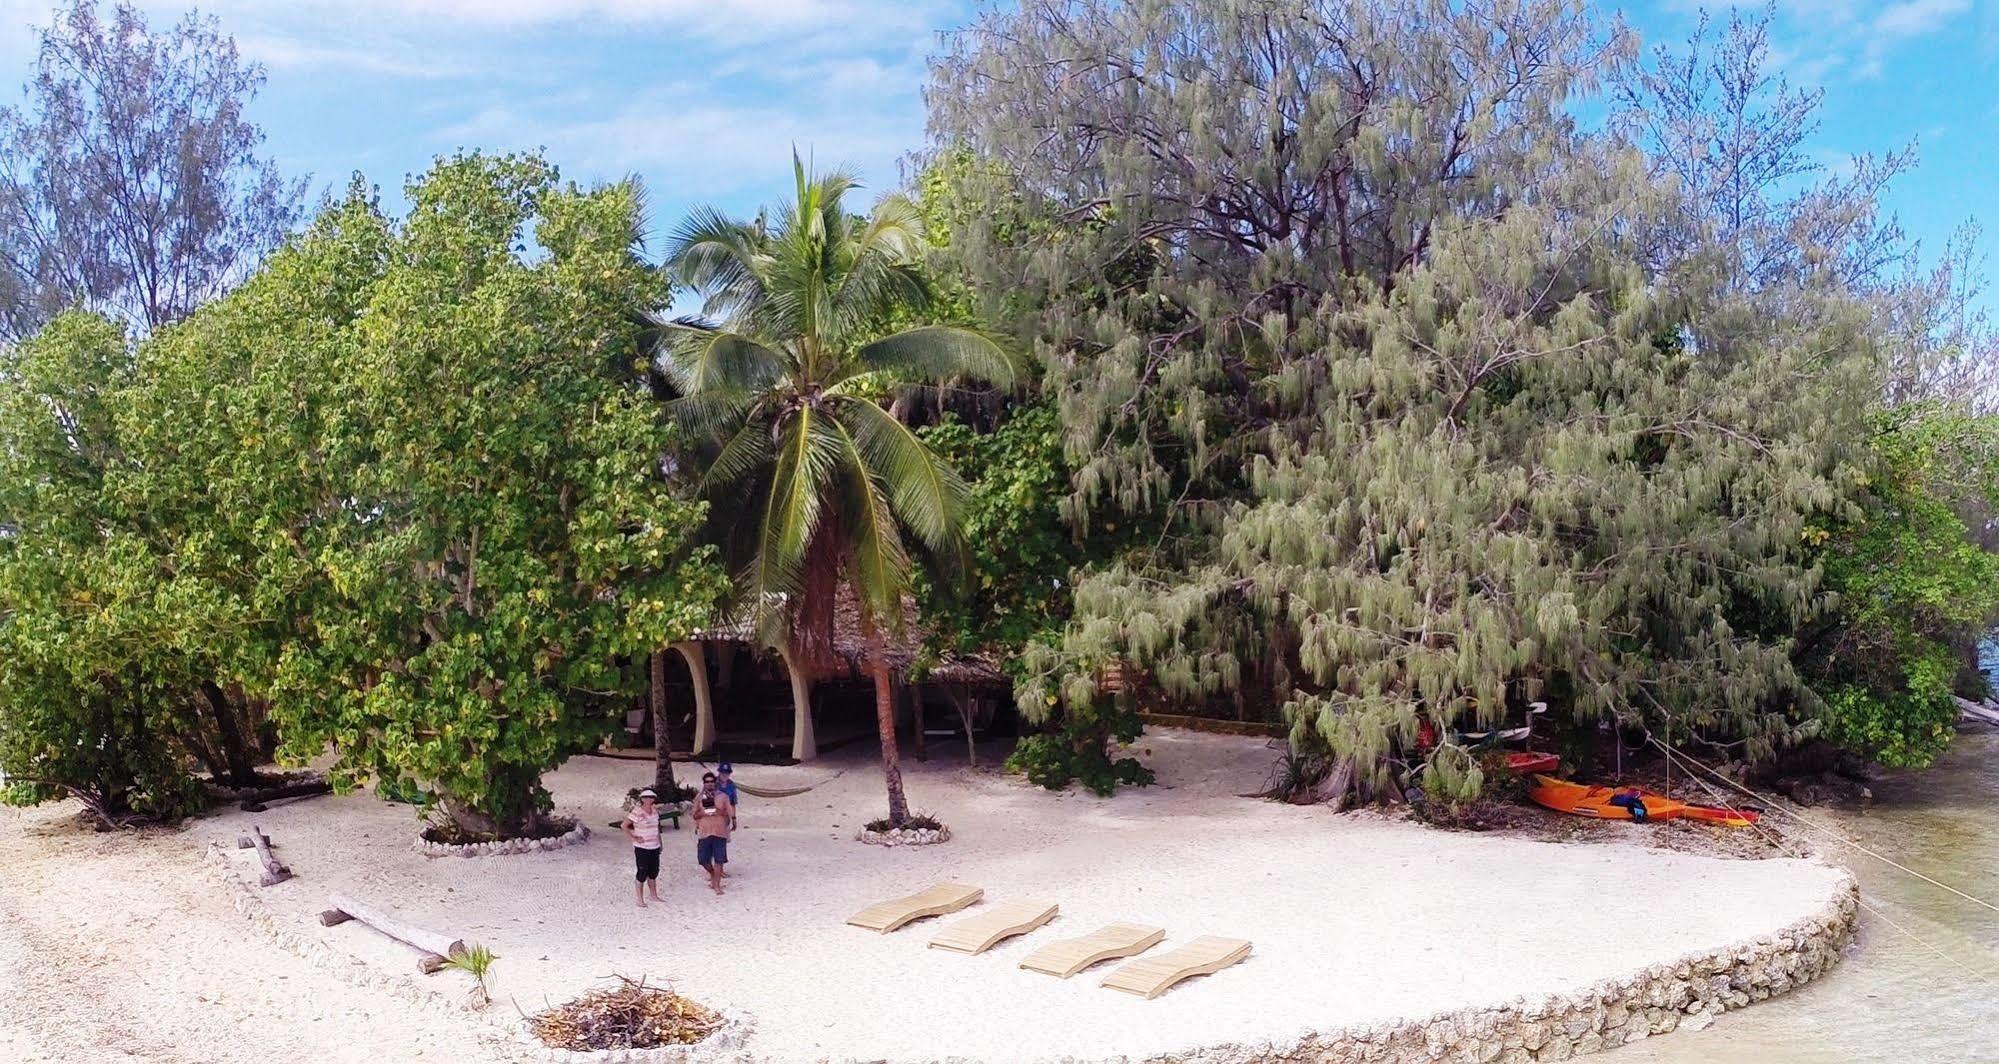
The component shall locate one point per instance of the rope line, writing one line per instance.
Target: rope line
(1835, 836)
(1781, 843)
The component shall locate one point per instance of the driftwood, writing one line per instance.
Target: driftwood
(1979, 712)
(434, 949)
(275, 871)
(255, 801)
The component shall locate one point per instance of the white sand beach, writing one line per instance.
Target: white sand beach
(121, 947)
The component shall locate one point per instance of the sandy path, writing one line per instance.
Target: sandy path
(120, 948)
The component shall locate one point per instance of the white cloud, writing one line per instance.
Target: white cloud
(279, 53)
(1913, 18)
(704, 148)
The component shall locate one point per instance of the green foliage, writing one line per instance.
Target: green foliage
(476, 961)
(503, 536)
(89, 696)
(1444, 405)
(401, 486)
(1021, 553)
(1452, 780)
(1914, 589)
(1079, 751)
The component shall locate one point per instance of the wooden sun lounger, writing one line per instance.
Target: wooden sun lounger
(943, 898)
(979, 933)
(1149, 977)
(1109, 942)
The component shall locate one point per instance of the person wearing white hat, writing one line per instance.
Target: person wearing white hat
(642, 827)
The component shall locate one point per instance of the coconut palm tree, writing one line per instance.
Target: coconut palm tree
(786, 372)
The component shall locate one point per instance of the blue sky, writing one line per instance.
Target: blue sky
(704, 98)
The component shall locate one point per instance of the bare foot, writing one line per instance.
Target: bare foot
(642, 903)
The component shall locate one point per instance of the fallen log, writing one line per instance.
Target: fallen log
(1979, 712)
(254, 803)
(275, 871)
(434, 948)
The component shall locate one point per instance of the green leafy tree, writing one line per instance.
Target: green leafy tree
(790, 379)
(1021, 554)
(501, 534)
(1914, 591)
(89, 707)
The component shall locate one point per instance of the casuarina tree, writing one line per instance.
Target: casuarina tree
(1433, 409)
(131, 180)
(827, 489)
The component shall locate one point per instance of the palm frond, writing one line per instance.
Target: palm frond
(701, 359)
(928, 497)
(879, 566)
(808, 453)
(930, 354)
(719, 257)
(747, 451)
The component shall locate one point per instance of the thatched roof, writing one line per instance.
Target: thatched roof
(849, 649)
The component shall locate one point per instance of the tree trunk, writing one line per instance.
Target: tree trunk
(520, 818)
(967, 709)
(898, 806)
(235, 746)
(662, 746)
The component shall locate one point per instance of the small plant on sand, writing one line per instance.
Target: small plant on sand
(476, 961)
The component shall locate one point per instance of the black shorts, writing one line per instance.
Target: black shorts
(711, 849)
(648, 862)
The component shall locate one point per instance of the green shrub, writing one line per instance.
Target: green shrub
(1079, 752)
(1907, 728)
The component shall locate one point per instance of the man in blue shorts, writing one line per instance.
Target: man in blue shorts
(713, 813)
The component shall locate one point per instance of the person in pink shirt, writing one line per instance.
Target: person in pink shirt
(642, 827)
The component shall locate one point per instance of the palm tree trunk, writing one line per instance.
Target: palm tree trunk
(898, 806)
(662, 774)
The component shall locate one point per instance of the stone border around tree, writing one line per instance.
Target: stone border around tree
(573, 837)
(904, 836)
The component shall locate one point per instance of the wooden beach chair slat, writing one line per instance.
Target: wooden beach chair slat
(1109, 942)
(979, 933)
(936, 901)
(1149, 977)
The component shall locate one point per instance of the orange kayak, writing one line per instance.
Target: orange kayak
(1617, 803)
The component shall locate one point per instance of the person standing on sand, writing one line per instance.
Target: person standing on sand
(642, 827)
(713, 813)
(726, 785)
(725, 782)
